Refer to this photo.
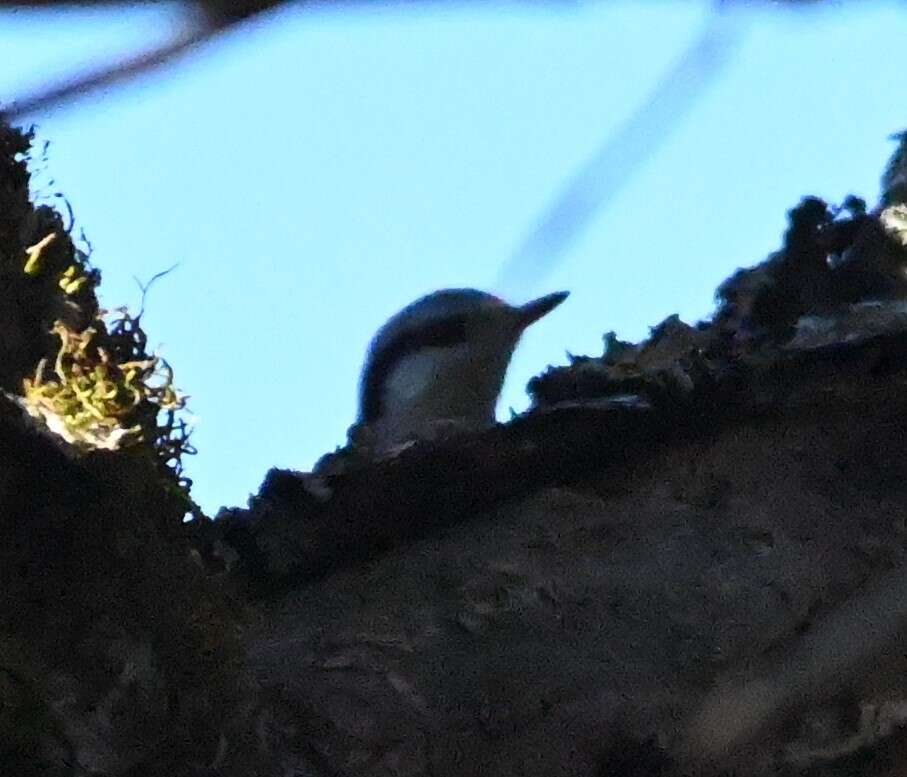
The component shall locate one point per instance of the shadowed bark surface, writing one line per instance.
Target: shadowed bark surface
(531, 638)
(687, 559)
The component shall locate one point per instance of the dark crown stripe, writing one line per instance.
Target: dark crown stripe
(435, 334)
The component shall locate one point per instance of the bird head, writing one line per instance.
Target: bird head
(443, 357)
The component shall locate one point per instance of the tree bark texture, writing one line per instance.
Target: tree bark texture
(687, 559)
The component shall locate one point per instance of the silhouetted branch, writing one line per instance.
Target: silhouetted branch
(621, 155)
(106, 75)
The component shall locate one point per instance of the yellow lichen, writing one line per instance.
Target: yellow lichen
(35, 254)
(73, 279)
(98, 387)
(95, 401)
(894, 219)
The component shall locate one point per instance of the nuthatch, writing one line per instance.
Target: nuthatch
(441, 362)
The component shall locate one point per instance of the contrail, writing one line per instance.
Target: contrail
(602, 176)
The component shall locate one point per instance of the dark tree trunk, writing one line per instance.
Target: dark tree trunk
(689, 558)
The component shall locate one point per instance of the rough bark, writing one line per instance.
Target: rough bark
(689, 558)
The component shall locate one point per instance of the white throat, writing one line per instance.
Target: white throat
(436, 385)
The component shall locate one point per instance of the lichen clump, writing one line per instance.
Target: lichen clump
(83, 373)
(93, 400)
(101, 389)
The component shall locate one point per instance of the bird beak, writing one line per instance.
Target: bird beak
(533, 311)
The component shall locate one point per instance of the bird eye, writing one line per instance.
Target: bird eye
(449, 331)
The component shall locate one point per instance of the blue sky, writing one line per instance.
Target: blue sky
(317, 171)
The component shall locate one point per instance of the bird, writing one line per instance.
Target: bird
(439, 364)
